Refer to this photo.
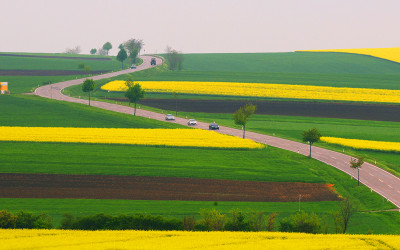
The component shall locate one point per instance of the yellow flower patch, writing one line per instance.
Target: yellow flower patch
(264, 90)
(129, 239)
(392, 54)
(363, 144)
(158, 137)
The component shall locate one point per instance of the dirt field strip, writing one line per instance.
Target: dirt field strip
(335, 159)
(61, 57)
(158, 188)
(373, 112)
(6, 72)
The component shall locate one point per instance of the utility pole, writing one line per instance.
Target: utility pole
(299, 201)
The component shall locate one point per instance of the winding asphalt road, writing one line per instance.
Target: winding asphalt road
(373, 177)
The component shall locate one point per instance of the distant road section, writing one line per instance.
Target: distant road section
(372, 176)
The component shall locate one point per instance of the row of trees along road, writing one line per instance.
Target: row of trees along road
(242, 115)
(129, 49)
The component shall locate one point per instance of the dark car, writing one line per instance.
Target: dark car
(153, 61)
(213, 126)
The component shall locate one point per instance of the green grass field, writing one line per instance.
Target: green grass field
(300, 68)
(270, 164)
(34, 111)
(22, 84)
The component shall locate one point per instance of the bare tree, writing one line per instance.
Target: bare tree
(75, 50)
(175, 59)
(343, 214)
(101, 52)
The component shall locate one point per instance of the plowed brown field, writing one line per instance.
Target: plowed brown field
(360, 111)
(158, 188)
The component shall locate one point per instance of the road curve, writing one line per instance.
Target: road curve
(373, 177)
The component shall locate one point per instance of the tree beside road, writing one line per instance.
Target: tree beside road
(88, 86)
(134, 93)
(241, 116)
(311, 136)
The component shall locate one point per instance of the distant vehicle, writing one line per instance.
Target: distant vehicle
(133, 66)
(213, 126)
(153, 61)
(192, 122)
(169, 117)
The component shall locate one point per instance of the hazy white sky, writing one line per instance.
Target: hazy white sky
(193, 26)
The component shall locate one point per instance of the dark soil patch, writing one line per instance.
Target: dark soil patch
(60, 57)
(23, 72)
(158, 188)
(373, 112)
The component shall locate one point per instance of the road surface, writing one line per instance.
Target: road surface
(371, 176)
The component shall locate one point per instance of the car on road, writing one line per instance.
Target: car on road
(213, 126)
(133, 66)
(153, 61)
(169, 117)
(192, 122)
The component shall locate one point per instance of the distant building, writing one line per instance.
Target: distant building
(3, 87)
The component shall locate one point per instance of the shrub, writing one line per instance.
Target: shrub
(301, 222)
(189, 223)
(237, 222)
(29, 220)
(256, 220)
(212, 219)
(7, 220)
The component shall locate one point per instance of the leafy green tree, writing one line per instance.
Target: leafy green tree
(81, 66)
(356, 163)
(93, 51)
(107, 46)
(88, 86)
(310, 136)
(134, 93)
(122, 56)
(241, 116)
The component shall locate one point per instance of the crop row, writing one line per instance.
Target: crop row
(363, 144)
(157, 137)
(392, 54)
(67, 239)
(264, 90)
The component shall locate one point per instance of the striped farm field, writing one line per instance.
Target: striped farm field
(264, 90)
(363, 144)
(153, 137)
(391, 54)
(68, 239)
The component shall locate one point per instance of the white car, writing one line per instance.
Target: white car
(169, 117)
(133, 66)
(192, 122)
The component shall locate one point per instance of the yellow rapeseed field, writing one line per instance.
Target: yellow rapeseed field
(364, 144)
(66, 239)
(167, 137)
(392, 54)
(265, 90)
